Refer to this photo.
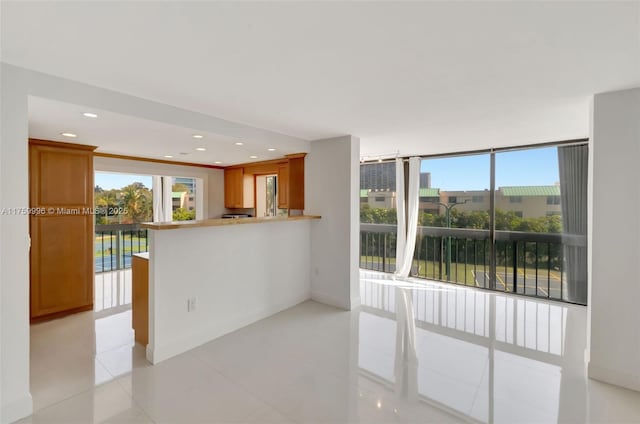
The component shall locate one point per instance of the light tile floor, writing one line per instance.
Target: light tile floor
(413, 352)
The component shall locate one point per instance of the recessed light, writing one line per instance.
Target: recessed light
(197, 136)
(184, 153)
(168, 156)
(68, 134)
(239, 143)
(217, 162)
(271, 149)
(253, 157)
(90, 115)
(200, 149)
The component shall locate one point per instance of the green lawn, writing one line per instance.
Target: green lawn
(459, 272)
(130, 245)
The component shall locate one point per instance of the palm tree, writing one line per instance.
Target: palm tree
(131, 201)
(136, 199)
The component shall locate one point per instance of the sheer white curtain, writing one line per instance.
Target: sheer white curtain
(573, 166)
(162, 207)
(407, 227)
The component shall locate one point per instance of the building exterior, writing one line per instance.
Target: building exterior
(530, 201)
(182, 200)
(429, 198)
(524, 201)
(467, 201)
(190, 183)
(378, 176)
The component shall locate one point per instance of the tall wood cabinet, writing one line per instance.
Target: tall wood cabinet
(61, 228)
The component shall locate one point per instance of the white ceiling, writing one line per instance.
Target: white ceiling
(126, 135)
(414, 77)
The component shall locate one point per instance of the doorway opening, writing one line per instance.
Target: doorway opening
(266, 195)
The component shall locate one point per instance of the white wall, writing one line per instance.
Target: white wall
(615, 245)
(17, 84)
(238, 274)
(14, 261)
(213, 179)
(332, 188)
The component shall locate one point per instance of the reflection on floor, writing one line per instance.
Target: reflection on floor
(112, 289)
(413, 352)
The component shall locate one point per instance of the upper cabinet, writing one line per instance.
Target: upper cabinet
(238, 189)
(283, 186)
(295, 183)
(233, 188)
(239, 182)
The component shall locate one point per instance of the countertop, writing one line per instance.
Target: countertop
(143, 255)
(218, 222)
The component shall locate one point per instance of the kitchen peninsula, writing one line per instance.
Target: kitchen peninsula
(211, 277)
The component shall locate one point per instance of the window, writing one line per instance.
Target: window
(532, 188)
(378, 208)
(122, 198)
(533, 175)
(183, 194)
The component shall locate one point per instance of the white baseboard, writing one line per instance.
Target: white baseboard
(622, 379)
(16, 410)
(329, 300)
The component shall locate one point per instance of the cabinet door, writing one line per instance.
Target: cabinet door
(61, 256)
(296, 183)
(233, 188)
(140, 299)
(283, 186)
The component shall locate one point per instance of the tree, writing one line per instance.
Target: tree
(182, 214)
(137, 202)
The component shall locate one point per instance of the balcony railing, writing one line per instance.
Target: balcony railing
(526, 263)
(115, 244)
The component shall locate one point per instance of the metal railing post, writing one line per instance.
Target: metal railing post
(118, 262)
(515, 266)
(384, 253)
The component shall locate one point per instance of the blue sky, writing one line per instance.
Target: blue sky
(520, 168)
(108, 180)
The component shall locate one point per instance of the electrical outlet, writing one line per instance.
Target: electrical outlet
(191, 304)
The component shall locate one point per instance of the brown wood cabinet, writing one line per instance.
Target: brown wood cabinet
(239, 182)
(283, 186)
(140, 298)
(233, 188)
(61, 256)
(295, 184)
